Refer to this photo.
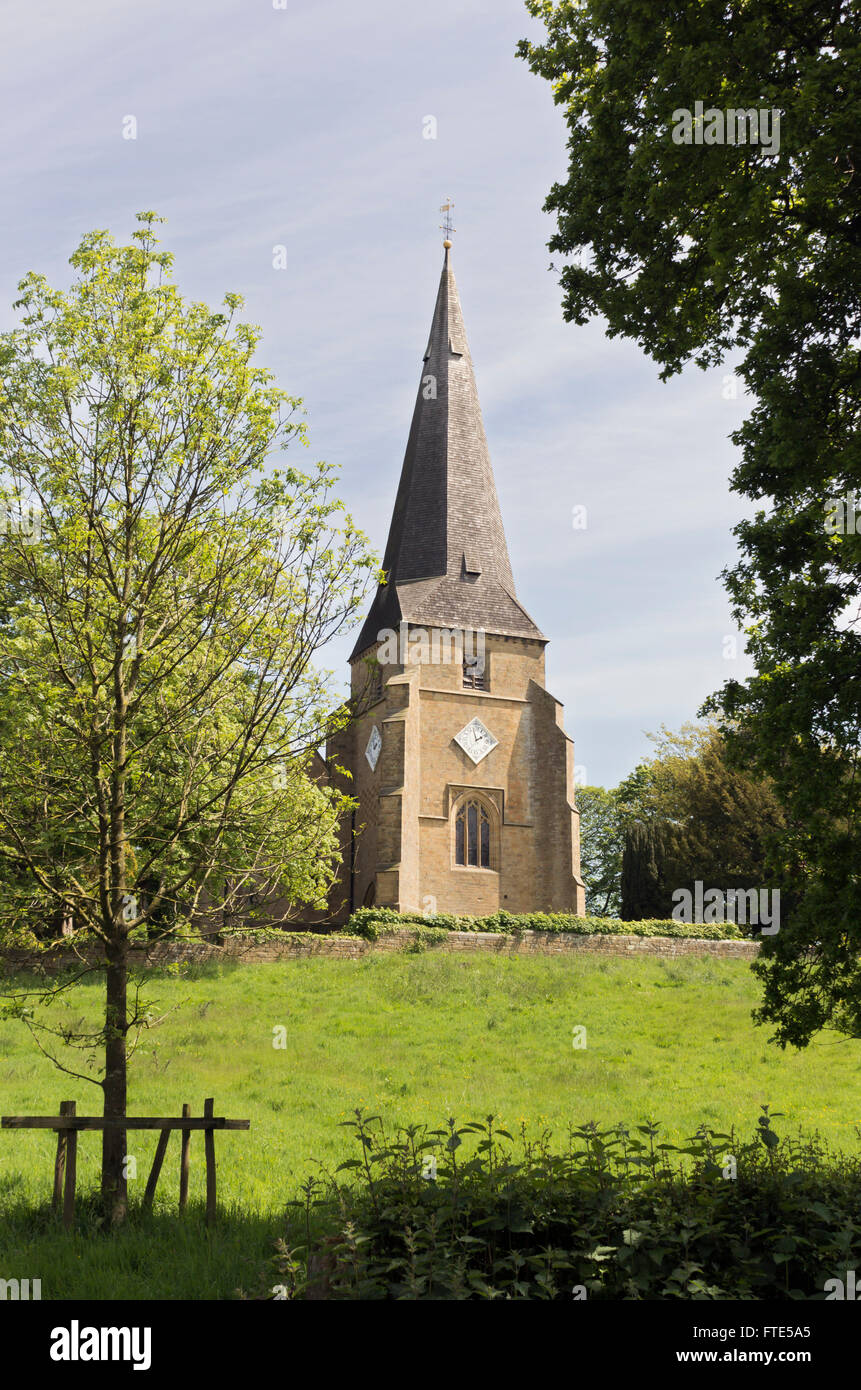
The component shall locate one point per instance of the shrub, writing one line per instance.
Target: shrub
(373, 922)
(464, 1212)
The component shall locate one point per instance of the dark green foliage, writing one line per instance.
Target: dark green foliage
(465, 1212)
(661, 857)
(698, 251)
(644, 889)
(713, 821)
(685, 814)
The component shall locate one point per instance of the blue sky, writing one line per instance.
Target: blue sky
(303, 127)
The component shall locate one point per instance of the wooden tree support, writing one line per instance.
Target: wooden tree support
(67, 1107)
(183, 1162)
(68, 1124)
(160, 1150)
(209, 1150)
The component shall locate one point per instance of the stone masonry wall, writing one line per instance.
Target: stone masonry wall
(352, 948)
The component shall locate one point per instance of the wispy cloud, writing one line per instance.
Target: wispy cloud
(303, 127)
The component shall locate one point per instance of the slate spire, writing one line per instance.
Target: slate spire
(446, 558)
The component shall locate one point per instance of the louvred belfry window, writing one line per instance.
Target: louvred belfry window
(473, 674)
(472, 836)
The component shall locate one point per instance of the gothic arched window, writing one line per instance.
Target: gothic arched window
(473, 835)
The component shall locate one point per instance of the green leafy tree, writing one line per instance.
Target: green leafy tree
(602, 839)
(158, 706)
(699, 250)
(713, 822)
(689, 813)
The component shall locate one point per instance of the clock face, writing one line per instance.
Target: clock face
(475, 740)
(372, 752)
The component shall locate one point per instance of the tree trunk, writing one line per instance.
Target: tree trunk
(114, 1188)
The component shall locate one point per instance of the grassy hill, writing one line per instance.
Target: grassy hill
(414, 1038)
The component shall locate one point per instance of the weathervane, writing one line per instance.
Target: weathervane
(445, 225)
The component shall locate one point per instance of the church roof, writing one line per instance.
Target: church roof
(446, 558)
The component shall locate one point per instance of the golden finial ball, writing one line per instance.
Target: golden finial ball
(447, 245)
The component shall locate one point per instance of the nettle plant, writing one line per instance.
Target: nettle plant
(468, 1211)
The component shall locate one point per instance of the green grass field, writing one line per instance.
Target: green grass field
(410, 1037)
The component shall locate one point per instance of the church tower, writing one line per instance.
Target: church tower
(461, 766)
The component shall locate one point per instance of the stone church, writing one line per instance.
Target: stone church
(460, 763)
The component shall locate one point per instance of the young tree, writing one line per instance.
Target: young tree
(695, 244)
(158, 707)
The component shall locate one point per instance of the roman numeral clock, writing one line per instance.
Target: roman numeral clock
(475, 740)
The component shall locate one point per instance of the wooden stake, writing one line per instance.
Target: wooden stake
(68, 1124)
(160, 1149)
(60, 1160)
(209, 1147)
(71, 1171)
(183, 1162)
